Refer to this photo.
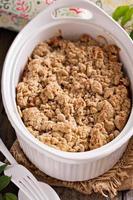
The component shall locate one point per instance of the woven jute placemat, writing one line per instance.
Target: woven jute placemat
(120, 177)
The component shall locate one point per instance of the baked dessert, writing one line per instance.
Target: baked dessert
(74, 95)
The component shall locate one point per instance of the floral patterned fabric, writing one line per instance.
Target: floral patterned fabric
(14, 14)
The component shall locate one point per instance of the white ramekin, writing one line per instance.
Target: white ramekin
(64, 165)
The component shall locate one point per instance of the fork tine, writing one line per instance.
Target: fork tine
(30, 186)
(33, 183)
(33, 196)
(24, 189)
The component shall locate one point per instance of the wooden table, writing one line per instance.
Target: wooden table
(8, 135)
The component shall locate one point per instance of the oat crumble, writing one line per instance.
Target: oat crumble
(74, 96)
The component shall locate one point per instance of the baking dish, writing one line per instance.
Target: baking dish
(65, 165)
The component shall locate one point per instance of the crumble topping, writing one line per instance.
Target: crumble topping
(74, 96)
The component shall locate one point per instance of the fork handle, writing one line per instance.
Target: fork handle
(6, 153)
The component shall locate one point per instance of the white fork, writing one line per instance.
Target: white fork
(22, 177)
(25, 181)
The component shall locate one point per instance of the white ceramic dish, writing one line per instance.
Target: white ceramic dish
(64, 165)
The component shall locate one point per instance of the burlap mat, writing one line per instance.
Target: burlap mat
(120, 177)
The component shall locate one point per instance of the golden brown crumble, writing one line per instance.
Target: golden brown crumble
(74, 96)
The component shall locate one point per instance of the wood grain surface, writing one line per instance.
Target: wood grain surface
(8, 135)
